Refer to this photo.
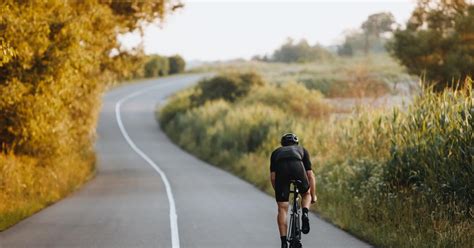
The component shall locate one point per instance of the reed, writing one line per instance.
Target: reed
(399, 178)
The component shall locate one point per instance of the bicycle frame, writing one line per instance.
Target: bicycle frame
(294, 227)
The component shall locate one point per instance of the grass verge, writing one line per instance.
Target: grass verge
(29, 184)
(395, 178)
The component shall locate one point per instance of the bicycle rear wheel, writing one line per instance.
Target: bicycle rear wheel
(296, 244)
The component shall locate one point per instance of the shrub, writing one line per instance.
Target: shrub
(292, 98)
(177, 64)
(229, 87)
(178, 104)
(408, 173)
(157, 66)
(397, 179)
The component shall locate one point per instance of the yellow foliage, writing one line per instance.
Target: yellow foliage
(55, 63)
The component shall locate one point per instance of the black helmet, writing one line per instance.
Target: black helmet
(289, 139)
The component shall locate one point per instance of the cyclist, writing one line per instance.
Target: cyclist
(291, 162)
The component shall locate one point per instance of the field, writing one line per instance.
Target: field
(357, 77)
(398, 177)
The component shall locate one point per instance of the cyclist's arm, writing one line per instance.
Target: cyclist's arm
(312, 185)
(310, 174)
(272, 179)
(272, 169)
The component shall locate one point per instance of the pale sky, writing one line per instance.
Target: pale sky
(228, 29)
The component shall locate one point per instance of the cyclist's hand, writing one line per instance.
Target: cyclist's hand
(314, 199)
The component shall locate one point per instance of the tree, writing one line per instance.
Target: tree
(56, 58)
(176, 64)
(300, 53)
(375, 25)
(438, 42)
(345, 50)
(157, 66)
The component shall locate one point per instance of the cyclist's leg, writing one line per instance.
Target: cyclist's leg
(299, 173)
(306, 200)
(282, 217)
(282, 194)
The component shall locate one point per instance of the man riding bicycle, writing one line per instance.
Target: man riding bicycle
(291, 162)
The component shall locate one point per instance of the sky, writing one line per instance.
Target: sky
(230, 29)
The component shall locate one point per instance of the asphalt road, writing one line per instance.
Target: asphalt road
(145, 183)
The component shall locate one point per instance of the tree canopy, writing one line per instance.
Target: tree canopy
(300, 52)
(438, 42)
(369, 38)
(56, 57)
(378, 23)
(177, 64)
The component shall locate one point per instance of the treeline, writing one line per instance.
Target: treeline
(149, 66)
(370, 38)
(56, 59)
(437, 43)
(300, 52)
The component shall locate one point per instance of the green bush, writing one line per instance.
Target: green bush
(397, 179)
(177, 64)
(156, 66)
(229, 87)
(404, 173)
(179, 104)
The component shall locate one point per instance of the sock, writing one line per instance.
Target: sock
(305, 211)
(283, 239)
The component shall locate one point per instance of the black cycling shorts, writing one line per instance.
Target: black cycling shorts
(286, 171)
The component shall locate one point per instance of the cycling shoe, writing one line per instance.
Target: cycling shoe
(305, 227)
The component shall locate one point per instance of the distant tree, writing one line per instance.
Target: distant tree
(345, 50)
(300, 53)
(375, 25)
(176, 64)
(256, 58)
(157, 66)
(438, 42)
(263, 58)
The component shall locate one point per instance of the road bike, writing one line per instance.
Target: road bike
(294, 227)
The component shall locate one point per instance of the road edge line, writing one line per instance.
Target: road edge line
(164, 178)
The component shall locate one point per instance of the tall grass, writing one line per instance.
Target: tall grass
(395, 178)
(28, 184)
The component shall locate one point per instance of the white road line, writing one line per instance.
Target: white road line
(169, 193)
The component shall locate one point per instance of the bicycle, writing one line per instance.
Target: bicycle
(294, 227)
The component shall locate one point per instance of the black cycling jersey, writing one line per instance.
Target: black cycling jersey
(290, 152)
(290, 163)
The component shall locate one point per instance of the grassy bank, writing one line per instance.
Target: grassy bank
(395, 178)
(29, 184)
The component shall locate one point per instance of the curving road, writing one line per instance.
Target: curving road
(150, 193)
